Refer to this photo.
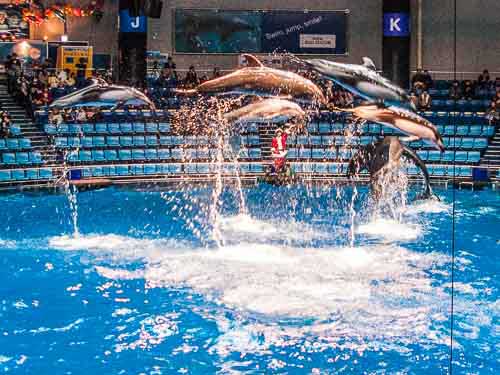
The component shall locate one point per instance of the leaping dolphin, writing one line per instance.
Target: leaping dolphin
(402, 119)
(263, 81)
(101, 94)
(362, 80)
(386, 154)
(267, 110)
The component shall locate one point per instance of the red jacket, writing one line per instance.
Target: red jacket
(276, 145)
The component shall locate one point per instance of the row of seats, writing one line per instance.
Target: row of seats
(150, 140)
(320, 153)
(111, 128)
(21, 158)
(450, 156)
(15, 129)
(465, 105)
(463, 143)
(42, 116)
(464, 130)
(168, 168)
(26, 174)
(15, 144)
(455, 118)
(156, 154)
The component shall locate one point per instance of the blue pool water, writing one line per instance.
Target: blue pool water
(144, 289)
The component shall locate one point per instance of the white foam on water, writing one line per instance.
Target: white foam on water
(7, 244)
(427, 206)
(391, 230)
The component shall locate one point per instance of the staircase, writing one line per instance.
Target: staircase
(491, 157)
(39, 140)
(266, 133)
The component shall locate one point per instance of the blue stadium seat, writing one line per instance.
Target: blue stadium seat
(5, 175)
(125, 140)
(302, 140)
(331, 153)
(85, 155)
(253, 140)
(461, 156)
(312, 127)
(3, 144)
(75, 128)
(18, 175)
(488, 130)
(202, 153)
(151, 154)
(413, 170)
(434, 156)
(475, 130)
(62, 128)
(150, 169)
(176, 153)
(449, 130)
(126, 127)
(480, 143)
(124, 155)
(254, 153)
(318, 153)
(345, 154)
(110, 155)
(86, 142)
(315, 140)
(12, 143)
(422, 154)
(151, 127)
(203, 168)
(467, 143)
(98, 172)
(31, 174)
(328, 140)
(474, 156)
(164, 127)
(101, 128)
(439, 170)
(113, 140)
(139, 127)
(61, 142)
(109, 170)
(257, 168)
(465, 171)
(88, 128)
(98, 141)
(138, 140)
(190, 140)
(72, 156)
(24, 143)
(162, 169)
(114, 128)
(177, 140)
(137, 169)
(35, 157)
(165, 140)
(320, 168)
(138, 154)
(151, 140)
(22, 158)
(305, 153)
(98, 155)
(163, 154)
(448, 156)
(74, 142)
(292, 153)
(462, 130)
(296, 167)
(175, 168)
(122, 170)
(340, 140)
(307, 167)
(190, 168)
(50, 129)
(190, 153)
(324, 127)
(45, 173)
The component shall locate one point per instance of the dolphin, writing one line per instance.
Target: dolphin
(259, 80)
(402, 119)
(362, 80)
(267, 110)
(101, 94)
(386, 153)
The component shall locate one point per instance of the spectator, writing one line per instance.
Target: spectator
(80, 72)
(5, 123)
(493, 113)
(55, 117)
(414, 99)
(216, 73)
(191, 79)
(71, 81)
(419, 81)
(483, 81)
(455, 91)
(52, 81)
(62, 76)
(167, 78)
(424, 101)
(469, 90)
(81, 115)
(428, 82)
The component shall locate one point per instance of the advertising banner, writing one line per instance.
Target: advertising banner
(305, 32)
(28, 50)
(213, 31)
(217, 31)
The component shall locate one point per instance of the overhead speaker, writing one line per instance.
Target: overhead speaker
(152, 8)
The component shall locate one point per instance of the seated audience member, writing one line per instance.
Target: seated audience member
(62, 75)
(5, 124)
(52, 81)
(68, 115)
(483, 81)
(424, 101)
(427, 80)
(216, 73)
(191, 79)
(81, 115)
(71, 81)
(455, 91)
(55, 117)
(493, 113)
(469, 89)
(419, 79)
(414, 99)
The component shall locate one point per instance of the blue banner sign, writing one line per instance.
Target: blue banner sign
(397, 24)
(217, 31)
(130, 24)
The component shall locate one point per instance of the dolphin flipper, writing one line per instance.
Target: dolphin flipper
(368, 63)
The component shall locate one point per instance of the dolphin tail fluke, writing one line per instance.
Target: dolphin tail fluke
(427, 193)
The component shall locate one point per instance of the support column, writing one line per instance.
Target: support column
(396, 41)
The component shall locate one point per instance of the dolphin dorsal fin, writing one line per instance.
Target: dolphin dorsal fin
(252, 61)
(368, 63)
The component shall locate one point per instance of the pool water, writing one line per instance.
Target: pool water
(144, 288)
